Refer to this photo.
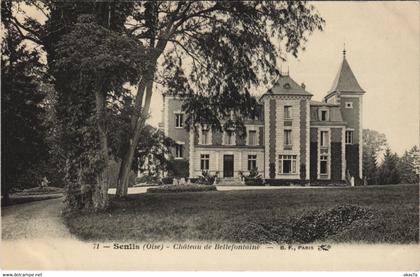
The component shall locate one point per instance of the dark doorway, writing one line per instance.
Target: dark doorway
(228, 166)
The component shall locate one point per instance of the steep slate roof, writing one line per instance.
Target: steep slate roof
(335, 116)
(287, 86)
(345, 81)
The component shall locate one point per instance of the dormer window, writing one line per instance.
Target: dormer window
(205, 137)
(323, 115)
(229, 138)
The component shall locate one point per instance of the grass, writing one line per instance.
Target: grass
(380, 214)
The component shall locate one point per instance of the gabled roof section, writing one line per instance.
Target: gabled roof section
(345, 81)
(287, 86)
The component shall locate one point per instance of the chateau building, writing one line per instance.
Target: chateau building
(294, 137)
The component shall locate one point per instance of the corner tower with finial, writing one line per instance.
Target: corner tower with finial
(348, 94)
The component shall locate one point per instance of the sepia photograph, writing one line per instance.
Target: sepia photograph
(210, 135)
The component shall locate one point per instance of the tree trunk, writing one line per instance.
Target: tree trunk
(122, 186)
(138, 120)
(129, 159)
(100, 192)
(138, 123)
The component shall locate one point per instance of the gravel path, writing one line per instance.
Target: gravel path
(34, 220)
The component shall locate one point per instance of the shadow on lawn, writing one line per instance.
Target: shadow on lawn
(309, 227)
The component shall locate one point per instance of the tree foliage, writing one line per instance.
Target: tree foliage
(407, 166)
(102, 61)
(23, 142)
(374, 143)
(213, 52)
(388, 171)
(153, 152)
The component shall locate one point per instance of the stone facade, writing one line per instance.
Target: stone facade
(294, 139)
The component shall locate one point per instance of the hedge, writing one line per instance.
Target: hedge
(254, 182)
(181, 188)
(167, 180)
(282, 182)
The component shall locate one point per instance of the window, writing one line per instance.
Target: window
(323, 168)
(324, 138)
(349, 105)
(287, 137)
(179, 120)
(205, 136)
(349, 137)
(205, 161)
(229, 138)
(252, 137)
(287, 112)
(252, 162)
(287, 164)
(179, 151)
(324, 115)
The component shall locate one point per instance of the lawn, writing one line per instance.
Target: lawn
(377, 214)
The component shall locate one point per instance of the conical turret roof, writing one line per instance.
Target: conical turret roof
(345, 81)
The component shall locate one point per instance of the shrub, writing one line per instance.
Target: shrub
(254, 178)
(147, 179)
(179, 169)
(318, 183)
(206, 178)
(320, 223)
(277, 182)
(193, 180)
(254, 173)
(181, 188)
(167, 180)
(254, 181)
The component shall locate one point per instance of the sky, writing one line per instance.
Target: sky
(382, 45)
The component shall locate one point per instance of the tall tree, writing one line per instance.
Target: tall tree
(407, 166)
(105, 61)
(374, 143)
(388, 172)
(23, 144)
(224, 47)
